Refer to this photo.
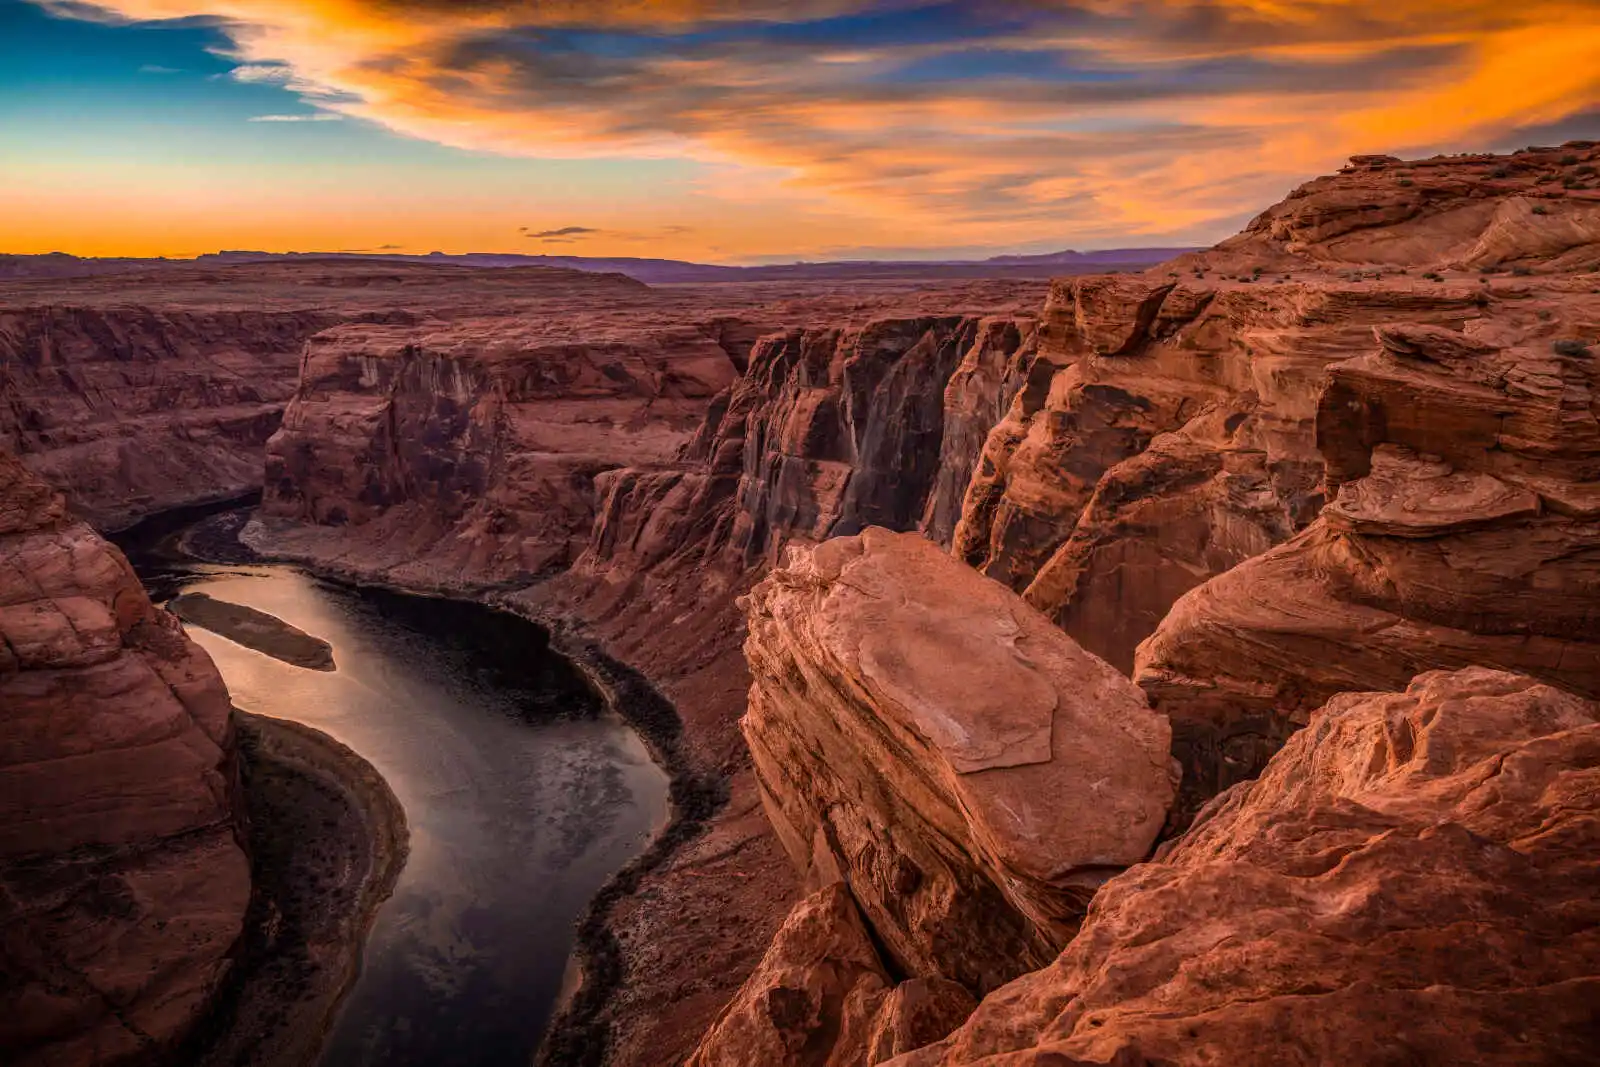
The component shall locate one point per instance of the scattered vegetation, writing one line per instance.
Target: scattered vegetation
(1405, 181)
(1569, 161)
(1570, 347)
(1500, 172)
(1433, 276)
(1540, 209)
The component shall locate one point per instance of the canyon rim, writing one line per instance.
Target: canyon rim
(1152, 656)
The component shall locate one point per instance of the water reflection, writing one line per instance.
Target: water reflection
(522, 800)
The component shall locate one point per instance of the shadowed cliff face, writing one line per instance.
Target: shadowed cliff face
(123, 883)
(133, 410)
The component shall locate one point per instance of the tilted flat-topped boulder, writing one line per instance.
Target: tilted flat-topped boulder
(968, 770)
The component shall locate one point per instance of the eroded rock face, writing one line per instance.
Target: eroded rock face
(476, 443)
(969, 771)
(1464, 529)
(124, 887)
(1169, 429)
(1412, 879)
(133, 410)
(822, 998)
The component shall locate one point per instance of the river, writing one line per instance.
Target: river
(522, 794)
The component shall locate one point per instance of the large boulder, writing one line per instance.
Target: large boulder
(123, 886)
(1411, 880)
(962, 765)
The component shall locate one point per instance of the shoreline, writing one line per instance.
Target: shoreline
(577, 1035)
(327, 840)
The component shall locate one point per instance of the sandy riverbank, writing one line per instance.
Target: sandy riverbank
(327, 840)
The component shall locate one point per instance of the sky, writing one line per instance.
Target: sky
(741, 131)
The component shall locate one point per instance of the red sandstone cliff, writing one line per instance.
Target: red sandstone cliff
(131, 410)
(122, 883)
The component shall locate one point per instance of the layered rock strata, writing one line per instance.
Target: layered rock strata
(821, 997)
(1169, 428)
(675, 540)
(1463, 461)
(967, 770)
(133, 410)
(1411, 879)
(123, 887)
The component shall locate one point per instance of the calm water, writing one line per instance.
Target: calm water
(522, 799)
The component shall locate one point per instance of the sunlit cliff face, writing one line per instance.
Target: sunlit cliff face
(915, 124)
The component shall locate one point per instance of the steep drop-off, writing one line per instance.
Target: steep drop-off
(123, 886)
(133, 410)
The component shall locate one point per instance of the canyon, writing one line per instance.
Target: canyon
(1196, 665)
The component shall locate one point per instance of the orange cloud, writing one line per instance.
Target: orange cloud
(1124, 118)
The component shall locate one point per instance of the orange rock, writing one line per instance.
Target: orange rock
(125, 884)
(1412, 878)
(970, 772)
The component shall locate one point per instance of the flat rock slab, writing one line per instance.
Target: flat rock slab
(246, 626)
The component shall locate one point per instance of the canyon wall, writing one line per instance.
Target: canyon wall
(636, 489)
(133, 410)
(123, 883)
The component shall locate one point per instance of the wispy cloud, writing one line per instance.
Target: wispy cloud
(316, 116)
(967, 121)
(156, 68)
(565, 231)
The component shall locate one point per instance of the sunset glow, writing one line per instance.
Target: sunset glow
(737, 130)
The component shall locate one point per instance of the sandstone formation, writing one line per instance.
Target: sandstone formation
(133, 410)
(969, 772)
(821, 998)
(1169, 429)
(1463, 459)
(1411, 880)
(122, 883)
(805, 441)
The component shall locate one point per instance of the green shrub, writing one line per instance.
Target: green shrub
(1568, 161)
(1570, 347)
(1540, 209)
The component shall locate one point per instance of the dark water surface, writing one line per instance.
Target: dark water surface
(523, 797)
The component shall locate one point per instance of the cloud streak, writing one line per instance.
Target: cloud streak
(984, 122)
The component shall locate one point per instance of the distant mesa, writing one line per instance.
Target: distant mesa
(663, 271)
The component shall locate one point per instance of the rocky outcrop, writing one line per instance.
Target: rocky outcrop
(967, 770)
(807, 442)
(1465, 529)
(1412, 879)
(1168, 430)
(821, 997)
(133, 410)
(122, 884)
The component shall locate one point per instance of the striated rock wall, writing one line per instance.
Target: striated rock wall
(967, 770)
(1411, 879)
(122, 883)
(475, 445)
(648, 549)
(1464, 529)
(132, 410)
